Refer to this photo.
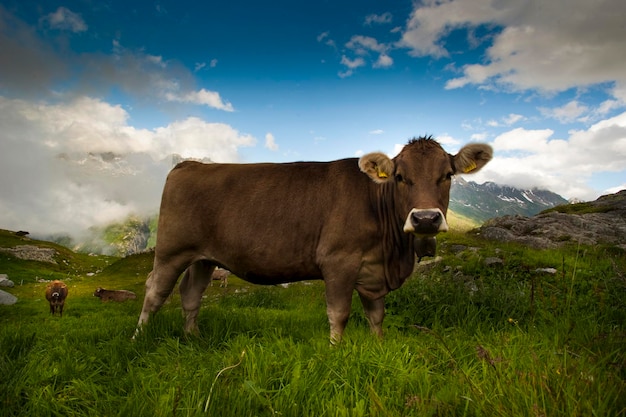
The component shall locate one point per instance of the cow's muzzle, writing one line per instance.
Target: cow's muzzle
(425, 222)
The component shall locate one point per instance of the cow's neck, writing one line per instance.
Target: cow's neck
(398, 247)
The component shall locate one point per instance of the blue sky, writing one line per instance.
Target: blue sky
(95, 97)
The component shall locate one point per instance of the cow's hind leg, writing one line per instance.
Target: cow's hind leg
(194, 283)
(159, 286)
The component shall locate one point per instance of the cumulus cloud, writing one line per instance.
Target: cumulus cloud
(68, 166)
(532, 50)
(270, 142)
(534, 158)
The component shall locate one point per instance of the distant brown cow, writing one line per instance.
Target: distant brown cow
(56, 292)
(114, 295)
(220, 275)
(357, 224)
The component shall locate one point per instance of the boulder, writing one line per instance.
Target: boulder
(5, 281)
(6, 298)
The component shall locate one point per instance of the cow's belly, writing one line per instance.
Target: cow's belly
(277, 278)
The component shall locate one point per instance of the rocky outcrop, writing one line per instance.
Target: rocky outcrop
(600, 221)
(32, 253)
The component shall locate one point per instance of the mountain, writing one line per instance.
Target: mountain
(480, 202)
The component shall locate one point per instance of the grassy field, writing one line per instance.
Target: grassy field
(461, 339)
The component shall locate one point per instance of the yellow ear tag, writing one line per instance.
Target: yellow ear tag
(382, 174)
(470, 167)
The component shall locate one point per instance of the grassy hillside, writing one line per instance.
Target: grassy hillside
(461, 339)
(460, 223)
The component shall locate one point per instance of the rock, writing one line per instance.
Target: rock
(425, 265)
(550, 271)
(32, 253)
(457, 248)
(5, 281)
(600, 221)
(6, 298)
(493, 262)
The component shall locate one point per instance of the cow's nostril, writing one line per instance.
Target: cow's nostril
(426, 221)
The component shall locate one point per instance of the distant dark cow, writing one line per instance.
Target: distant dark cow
(220, 275)
(56, 293)
(357, 224)
(114, 295)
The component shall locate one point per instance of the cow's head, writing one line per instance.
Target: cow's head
(421, 175)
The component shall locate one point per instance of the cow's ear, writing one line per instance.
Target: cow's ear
(471, 158)
(377, 166)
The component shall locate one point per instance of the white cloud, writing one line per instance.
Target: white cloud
(378, 19)
(478, 137)
(376, 132)
(65, 167)
(383, 61)
(568, 113)
(352, 63)
(447, 140)
(512, 118)
(531, 51)
(614, 190)
(201, 97)
(270, 142)
(325, 37)
(363, 44)
(64, 19)
(364, 47)
(508, 120)
(533, 158)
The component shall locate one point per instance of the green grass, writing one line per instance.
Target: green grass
(581, 208)
(460, 340)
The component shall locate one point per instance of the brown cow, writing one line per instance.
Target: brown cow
(114, 295)
(352, 223)
(56, 293)
(220, 275)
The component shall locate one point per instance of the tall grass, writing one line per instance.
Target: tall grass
(461, 339)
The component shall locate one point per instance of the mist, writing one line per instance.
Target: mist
(67, 167)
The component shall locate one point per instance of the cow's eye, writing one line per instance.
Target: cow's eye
(399, 178)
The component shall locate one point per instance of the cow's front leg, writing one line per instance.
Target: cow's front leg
(338, 304)
(192, 286)
(375, 313)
